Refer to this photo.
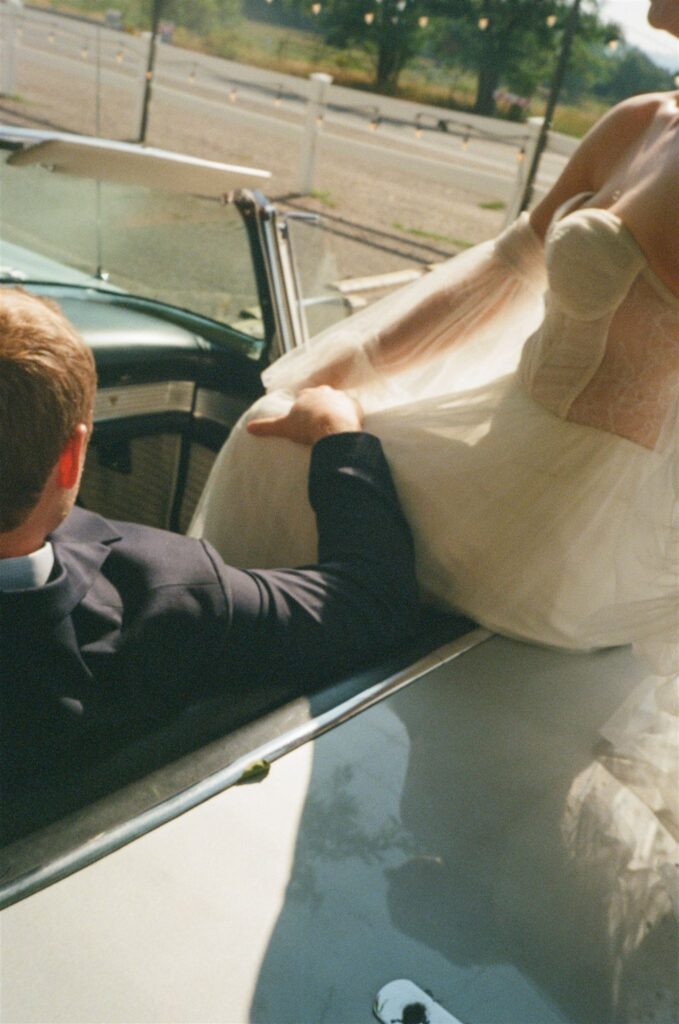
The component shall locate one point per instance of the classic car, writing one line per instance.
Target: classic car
(460, 833)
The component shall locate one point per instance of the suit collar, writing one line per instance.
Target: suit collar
(82, 544)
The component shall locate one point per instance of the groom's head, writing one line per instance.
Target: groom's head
(47, 386)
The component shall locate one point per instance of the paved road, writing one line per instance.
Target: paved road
(382, 214)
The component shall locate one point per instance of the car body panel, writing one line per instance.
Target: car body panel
(131, 164)
(443, 835)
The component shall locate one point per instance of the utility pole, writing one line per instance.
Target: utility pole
(156, 11)
(566, 46)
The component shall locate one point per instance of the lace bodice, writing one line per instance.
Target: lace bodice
(607, 352)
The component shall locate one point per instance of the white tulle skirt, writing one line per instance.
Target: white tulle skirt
(531, 525)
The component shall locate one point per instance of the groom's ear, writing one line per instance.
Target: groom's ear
(72, 458)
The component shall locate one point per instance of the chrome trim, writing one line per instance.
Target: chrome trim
(107, 842)
(219, 408)
(285, 339)
(143, 400)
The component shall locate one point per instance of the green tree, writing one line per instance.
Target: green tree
(506, 42)
(631, 72)
(391, 31)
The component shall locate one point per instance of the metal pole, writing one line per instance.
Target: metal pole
(320, 83)
(156, 11)
(9, 40)
(557, 82)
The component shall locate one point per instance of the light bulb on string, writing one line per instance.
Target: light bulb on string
(613, 44)
(278, 96)
(316, 8)
(484, 23)
(375, 123)
(233, 94)
(521, 155)
(423, 21)
(369, 17)
(465, 141)
(401, 5)
(192, 75)
(551, 20)
(120, 56)
(51, 37)
(84, 52)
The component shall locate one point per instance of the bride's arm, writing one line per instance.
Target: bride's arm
(422, 320)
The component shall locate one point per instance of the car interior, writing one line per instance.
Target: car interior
(165, 406)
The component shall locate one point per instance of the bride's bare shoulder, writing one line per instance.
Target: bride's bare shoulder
(631, 116)
(604, 147)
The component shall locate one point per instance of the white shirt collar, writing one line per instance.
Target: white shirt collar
(27, 571)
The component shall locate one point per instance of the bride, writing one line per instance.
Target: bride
(527, 396)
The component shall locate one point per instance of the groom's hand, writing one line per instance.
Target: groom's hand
(315, 413)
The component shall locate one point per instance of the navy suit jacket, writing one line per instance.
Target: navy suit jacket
(137, 623)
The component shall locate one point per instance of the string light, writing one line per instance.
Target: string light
(401, 5)
(279, 93)
(51, 37)
(120, 56)
(375, 123)
(521, 155)
(551, 20)
(484, 23)
(192, 75)
(369, 17)
(316, 8)
(84, 53)
(149, 76)
(233, 94)
(613, 44)
(320, 118)
(465, 141)
(423, 21)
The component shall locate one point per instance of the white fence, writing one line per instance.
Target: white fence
(431, 142)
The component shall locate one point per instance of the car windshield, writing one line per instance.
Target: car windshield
(188, 251)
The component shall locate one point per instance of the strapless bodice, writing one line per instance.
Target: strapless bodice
(607, 352)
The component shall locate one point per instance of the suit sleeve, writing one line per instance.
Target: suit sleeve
(299, 627)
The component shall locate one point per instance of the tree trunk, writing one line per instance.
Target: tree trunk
(488, 81)
(390, 60)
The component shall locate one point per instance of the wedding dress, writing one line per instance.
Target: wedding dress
(526, 398)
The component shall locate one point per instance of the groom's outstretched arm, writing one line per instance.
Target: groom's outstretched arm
(296, 628)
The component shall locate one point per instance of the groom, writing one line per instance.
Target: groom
(106, 625)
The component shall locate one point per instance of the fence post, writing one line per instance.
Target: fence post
(320, 83)
(533, 125)
(9, 34)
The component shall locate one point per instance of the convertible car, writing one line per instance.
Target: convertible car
(476, 830)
